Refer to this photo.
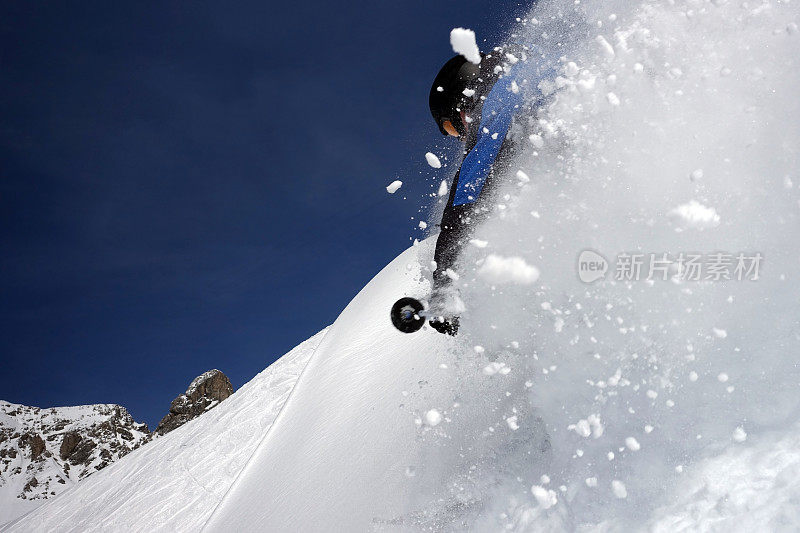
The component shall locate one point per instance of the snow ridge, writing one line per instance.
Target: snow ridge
(174, 482)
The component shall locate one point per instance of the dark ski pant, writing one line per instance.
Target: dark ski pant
(459, 221)
(456, 229)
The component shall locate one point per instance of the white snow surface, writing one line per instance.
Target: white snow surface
(372, 405)
(174, 482)
(700, 84)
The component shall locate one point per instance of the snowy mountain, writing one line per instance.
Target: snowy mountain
(45, 451)
(661, 394)
(174, 482)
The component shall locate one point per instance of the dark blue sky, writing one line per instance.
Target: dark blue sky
(196, 185)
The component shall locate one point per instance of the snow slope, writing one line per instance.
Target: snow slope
(675, 129)
(664, 404)
(359, 444)
(174, 482)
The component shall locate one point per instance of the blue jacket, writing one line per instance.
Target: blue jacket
(499, 109)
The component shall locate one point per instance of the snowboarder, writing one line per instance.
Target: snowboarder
(477, 104)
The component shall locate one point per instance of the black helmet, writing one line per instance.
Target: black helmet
(447, 98)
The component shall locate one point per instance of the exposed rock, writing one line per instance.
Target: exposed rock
(82, 452)
(69, 443)
(45, 451)
(30, 485)
(204, 393)
(35, 443)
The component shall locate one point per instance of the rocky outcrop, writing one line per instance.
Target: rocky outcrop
(44, 451)
(68, 444)
(34, 443)
(204, 393)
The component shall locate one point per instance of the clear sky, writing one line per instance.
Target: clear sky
(197, 185)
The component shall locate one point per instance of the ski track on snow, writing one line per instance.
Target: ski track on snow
(175, 482)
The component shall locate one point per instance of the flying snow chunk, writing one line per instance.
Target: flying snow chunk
(696, 215)
(477, 243)
(393, 186)
(633, 444)
(582, 428)
(537, 140)
(739, 434)
(496, 367)
(469, 93)
(432, 160)
(513, 425)
(544, 497)
(590, 426)
(443, 188)
(452, 274)
(571, 69)
(547, 87)
(719, 333)
(613, 99)
(618, 487)
(522, 177)
(423, 224)
(463, 42)
(587, 85)
(608, 50)
(433, 417)
(498, 269)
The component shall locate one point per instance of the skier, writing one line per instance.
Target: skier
(477, 104)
